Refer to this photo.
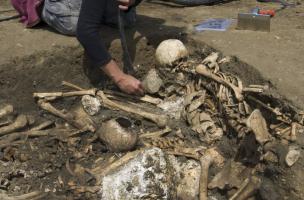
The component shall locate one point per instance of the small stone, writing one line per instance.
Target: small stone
(152, 82)
(90, 104)
(292, 156)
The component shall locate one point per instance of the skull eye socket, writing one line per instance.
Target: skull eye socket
(124, 122)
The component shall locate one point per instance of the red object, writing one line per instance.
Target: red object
(267, 12)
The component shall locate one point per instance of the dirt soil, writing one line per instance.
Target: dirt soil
(37, 60)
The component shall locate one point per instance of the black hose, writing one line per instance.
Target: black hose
(128, 66)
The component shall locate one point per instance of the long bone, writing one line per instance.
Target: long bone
(211, 156)
(201, 69)
(80, 124)
(160, 120)
(247, 189)
(7, 140)
(113, 94)
(20, 122)
(65, 94)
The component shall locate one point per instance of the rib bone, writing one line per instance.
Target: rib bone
(201, 69)
(160, 120)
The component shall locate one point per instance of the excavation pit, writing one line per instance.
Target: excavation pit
(57, 165)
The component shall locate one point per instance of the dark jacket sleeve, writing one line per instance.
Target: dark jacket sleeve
(89, 23)
(137, 2)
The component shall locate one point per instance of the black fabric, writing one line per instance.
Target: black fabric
(93, 14)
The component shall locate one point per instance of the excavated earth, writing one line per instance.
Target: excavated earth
(41, 163)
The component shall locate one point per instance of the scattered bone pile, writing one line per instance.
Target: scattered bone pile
(190, 116)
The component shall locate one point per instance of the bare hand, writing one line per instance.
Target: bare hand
(130, 85)
(125, 4)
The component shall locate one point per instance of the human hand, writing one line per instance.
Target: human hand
(125, 4)
(130, 85)
(125, 82)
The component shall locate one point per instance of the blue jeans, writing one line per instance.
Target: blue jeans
(62, 15)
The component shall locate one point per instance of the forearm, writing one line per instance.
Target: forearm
(113, 71)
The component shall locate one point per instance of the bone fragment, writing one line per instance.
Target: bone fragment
(6, 122)
(258, 125)
(264, 87)
(90, 104)
(13, 138)
(188, 152)
(77, 123)
(201, 69)
(43, 125)
(100, 171)
(84, 189)
(65, 94)
(210, 62)
(293, 133)
(151, 100)
(8, 139)
(6, 110)
(160, 120)
(155, 134)
(71, 85)
(231, 176)
(36, 195)
(292, 156)
(210, 157)
(247, 189)
(20, 122)
(256, 90)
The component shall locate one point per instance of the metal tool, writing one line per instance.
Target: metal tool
(259, 20)
(254, 21)
(128, 65)
(249, 21)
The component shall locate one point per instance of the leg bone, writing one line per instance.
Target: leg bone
(67, 117)
(210, 157)
(160, 120)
